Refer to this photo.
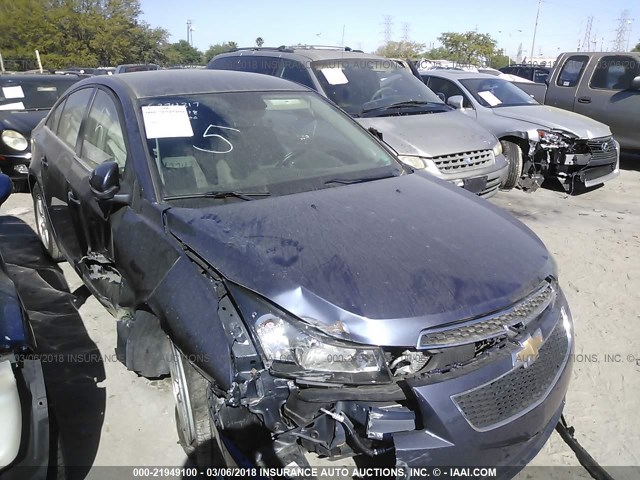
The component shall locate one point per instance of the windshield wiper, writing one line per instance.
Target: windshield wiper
(406, 103)
(349, 181)
(221, 194)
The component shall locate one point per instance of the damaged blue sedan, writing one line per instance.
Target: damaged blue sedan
(308, 293)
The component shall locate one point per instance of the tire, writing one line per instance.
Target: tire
(43, 226)
(513, 154)
(196, 430)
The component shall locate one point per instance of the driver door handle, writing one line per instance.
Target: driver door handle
(44, 162)
(72, 198)
(584, 99)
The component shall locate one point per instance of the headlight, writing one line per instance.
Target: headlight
(420, 163)
(295, 349)
(414, 162)
(552, 138)
(497, 149)
(15, 140)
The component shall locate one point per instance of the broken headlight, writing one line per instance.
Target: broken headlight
(295, 349)
(552, 139)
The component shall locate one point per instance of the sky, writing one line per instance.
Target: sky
(561, 23)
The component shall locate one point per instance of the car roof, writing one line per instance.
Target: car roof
(457, 74)
(157, 83)
(308, 52)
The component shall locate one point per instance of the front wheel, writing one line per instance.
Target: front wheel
(43, 226)
(513, 154)
(197, 433)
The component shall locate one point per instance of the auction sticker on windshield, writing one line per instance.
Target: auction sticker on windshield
(335, 76)
(166, 121)
(490, 98)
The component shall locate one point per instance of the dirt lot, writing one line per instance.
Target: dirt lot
(118, 418)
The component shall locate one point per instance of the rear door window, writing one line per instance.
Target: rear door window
(615, 72)
(572, 71)
(74, 111)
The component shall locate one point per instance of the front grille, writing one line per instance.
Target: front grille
(463, 161)
(517, 392)
(491, 326)
(600, 153)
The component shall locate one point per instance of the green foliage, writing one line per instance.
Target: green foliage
(438, 53)
(499, 60)
(259, 41)
(218, 48)
(636, 48)
(468, 48)
(84, 33)
(403, 49)
(181, 53)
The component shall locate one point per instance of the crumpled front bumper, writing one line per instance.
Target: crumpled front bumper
(15, 166)
(496, 415)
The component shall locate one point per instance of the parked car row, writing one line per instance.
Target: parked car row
(229, 220)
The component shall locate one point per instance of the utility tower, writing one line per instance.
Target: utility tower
(624, 24)
(387, 23)
(586, 41)
(405, 31)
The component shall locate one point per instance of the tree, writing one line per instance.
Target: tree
(182, 53)
(259, 41)
(438, 53)
(218, 48)
(636, 48)
(499, 60)
(84, 33)
(402, 49)
(468, 48)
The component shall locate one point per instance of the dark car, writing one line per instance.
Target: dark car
(24, 101)
(317, 295)
(530, 72)
(24, 410)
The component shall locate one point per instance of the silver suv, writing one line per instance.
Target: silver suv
(391, 102)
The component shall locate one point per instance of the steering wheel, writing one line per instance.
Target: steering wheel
(289, 158)
(380, 93)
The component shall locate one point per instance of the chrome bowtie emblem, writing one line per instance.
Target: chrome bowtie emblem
(529, 350)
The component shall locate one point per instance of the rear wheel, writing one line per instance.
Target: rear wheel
(513, 154)
(43, 226)
(196, 430)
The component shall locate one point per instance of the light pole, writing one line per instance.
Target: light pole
(535, 29)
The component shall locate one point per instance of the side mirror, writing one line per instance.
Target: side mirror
(6, 187)
(456, 101)
(441, 96)
(635, 83)
(105, 183)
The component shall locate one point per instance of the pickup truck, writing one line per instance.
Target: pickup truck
(602, 85)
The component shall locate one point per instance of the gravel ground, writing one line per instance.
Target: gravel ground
(595, 239)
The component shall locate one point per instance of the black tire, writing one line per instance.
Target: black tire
(513, 154)
(202, 444)
(43, 226)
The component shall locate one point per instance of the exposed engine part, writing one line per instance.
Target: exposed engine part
(384, 421)
(409, 362)
(357, 442)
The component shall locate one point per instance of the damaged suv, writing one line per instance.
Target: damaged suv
(539, 141)
(310, 294)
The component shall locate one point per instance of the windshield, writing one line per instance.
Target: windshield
(365, 85)
(32, 93)
(495, 92)
(257, 143)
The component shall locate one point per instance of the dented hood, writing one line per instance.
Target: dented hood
(544, 116)
(387, 258)
(431, 134)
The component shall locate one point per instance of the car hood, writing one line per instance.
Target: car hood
(555, 118)
(386, 258)
(21, 121)
(431, 134)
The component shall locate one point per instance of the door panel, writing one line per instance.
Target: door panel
(563, 93)
(56, 168)
(608, 97)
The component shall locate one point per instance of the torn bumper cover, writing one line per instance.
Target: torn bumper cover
(572, 160)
